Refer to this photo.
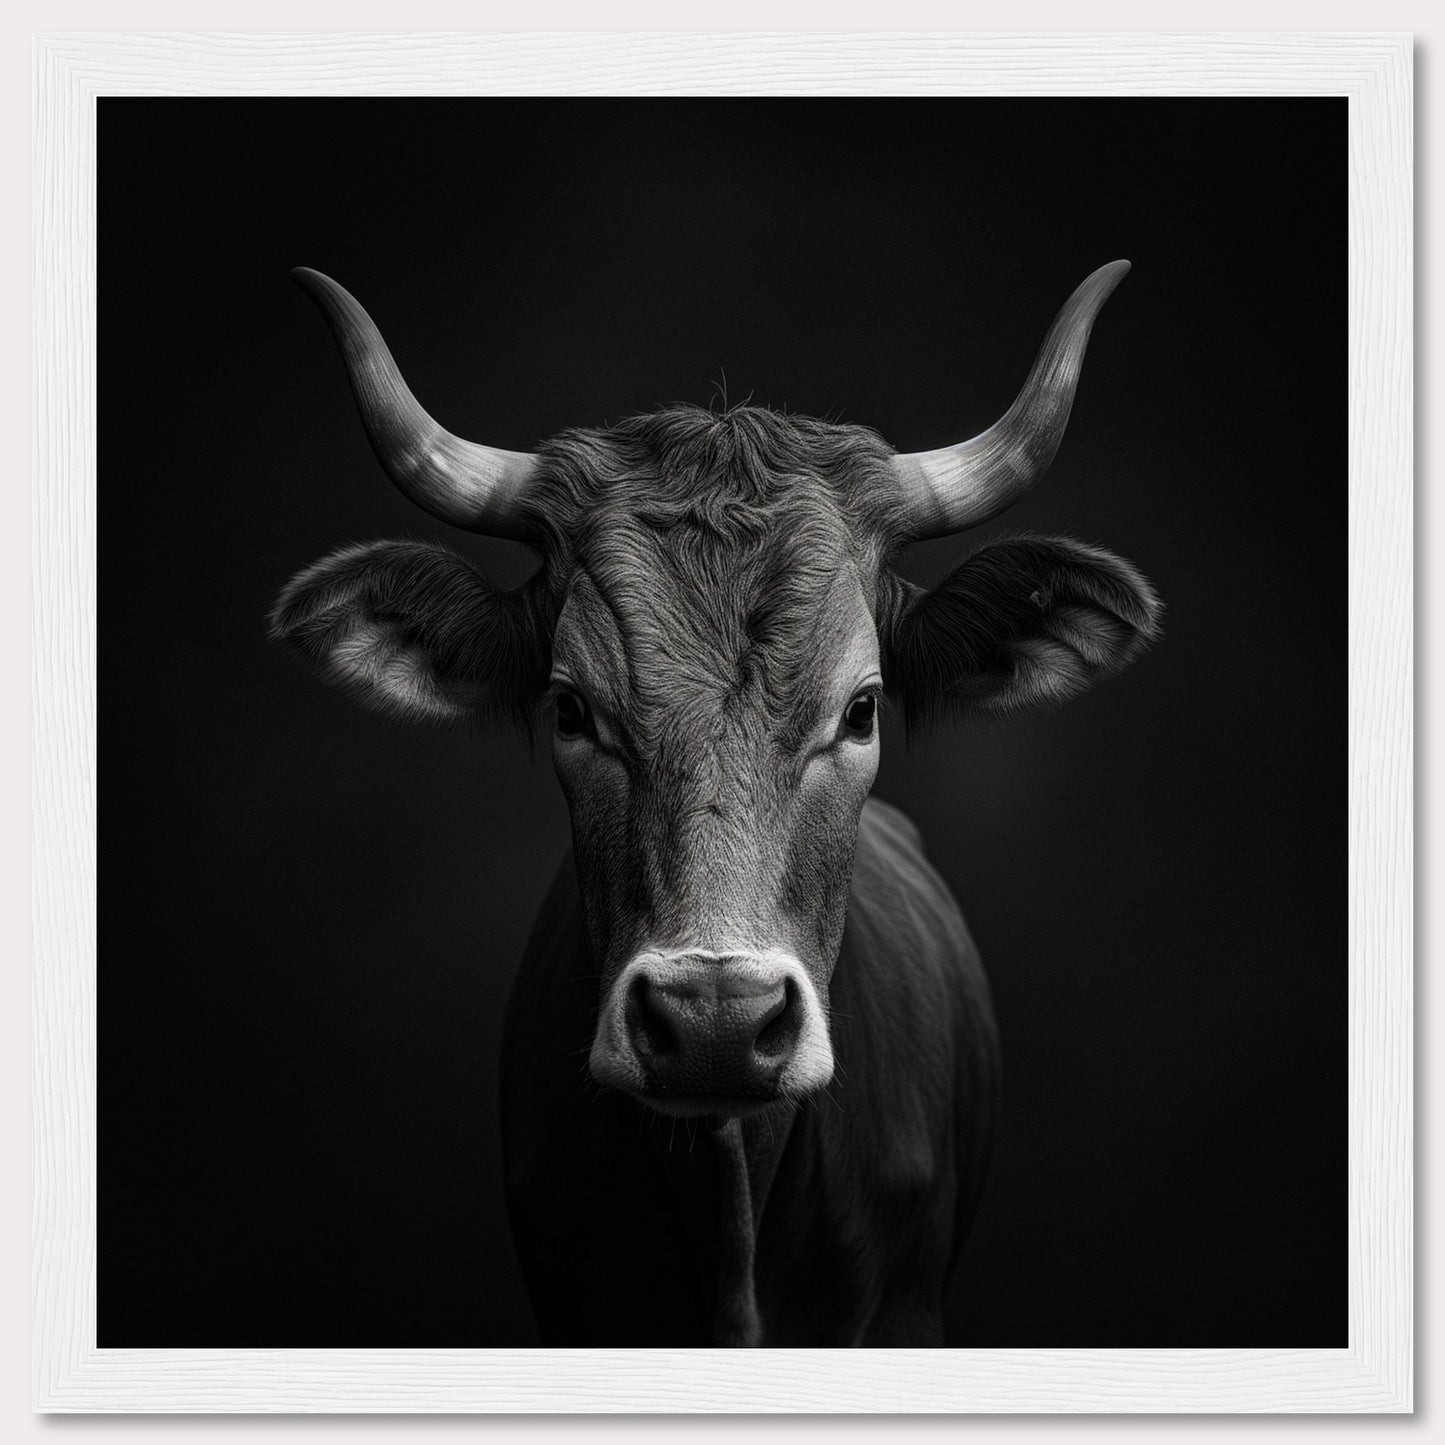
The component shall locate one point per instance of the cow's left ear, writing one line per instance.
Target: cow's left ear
(1023, 622)
(414, 630)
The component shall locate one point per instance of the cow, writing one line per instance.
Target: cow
(750, 1064)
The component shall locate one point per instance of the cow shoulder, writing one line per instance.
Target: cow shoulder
(901, 915)
(880, 1176)
(913, 1009)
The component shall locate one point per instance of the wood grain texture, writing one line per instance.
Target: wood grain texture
(1374, 1373)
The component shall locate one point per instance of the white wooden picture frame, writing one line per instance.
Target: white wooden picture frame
(1374, 1373)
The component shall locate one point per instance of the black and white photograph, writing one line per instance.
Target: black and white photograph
(723, 722)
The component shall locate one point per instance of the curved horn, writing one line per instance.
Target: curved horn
(471, 486)
(961, 486)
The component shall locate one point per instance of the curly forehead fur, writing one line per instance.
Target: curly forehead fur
(715, 536)
(713, 543)
(714, 482)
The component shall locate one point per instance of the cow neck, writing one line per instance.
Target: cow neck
(724, 1204)
(735, 1301)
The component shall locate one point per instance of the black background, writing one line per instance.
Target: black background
(310, 916)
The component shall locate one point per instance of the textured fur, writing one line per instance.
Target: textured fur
(1022, 623)
(718, 589)
(413, 629)
(747, 515)
(861, 1196)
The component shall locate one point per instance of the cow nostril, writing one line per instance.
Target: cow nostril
(779, 1029)
(653, 1032)
(700, 1029)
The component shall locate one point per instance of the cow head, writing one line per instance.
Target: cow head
(714, 622)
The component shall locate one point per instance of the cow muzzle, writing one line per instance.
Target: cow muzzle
(702, 1033)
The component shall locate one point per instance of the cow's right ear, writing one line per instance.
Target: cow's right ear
(1022, 623)
(415, 630)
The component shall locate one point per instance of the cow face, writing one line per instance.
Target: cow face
(716, 677)
(714, 624)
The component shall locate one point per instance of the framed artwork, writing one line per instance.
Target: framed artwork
(710, 311)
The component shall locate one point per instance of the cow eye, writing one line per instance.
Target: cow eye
(573, 719)
(859, 714)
